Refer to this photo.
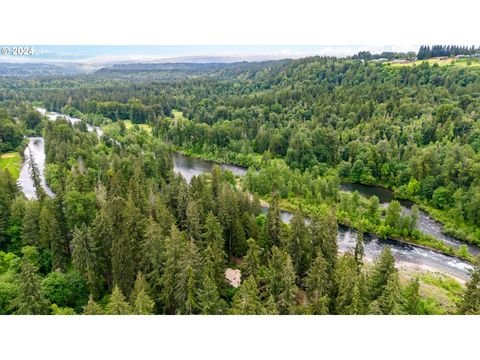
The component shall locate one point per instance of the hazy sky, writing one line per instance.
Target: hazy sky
(109, 53)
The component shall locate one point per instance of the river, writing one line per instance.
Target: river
(425, 223)
(189, 167)
(405, 254)
(36, 148)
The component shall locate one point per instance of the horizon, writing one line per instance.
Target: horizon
(111, 54)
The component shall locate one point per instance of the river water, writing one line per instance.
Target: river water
(425, 223)
(35, 148)
(189, 167)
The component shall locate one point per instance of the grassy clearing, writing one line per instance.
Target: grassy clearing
(129, 125)
(177, 114)
(441, 62)
(12, 162)
(440, 292)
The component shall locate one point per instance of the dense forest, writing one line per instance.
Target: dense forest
(126, 235)
(427, 52)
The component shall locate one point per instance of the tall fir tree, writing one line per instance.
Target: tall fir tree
(30, 299)
(209, 301)
(84, 258)
(317, 286)
(247, 300)
(118, 304)
(299, 245)
(92, 308)
(252, 260)
(281, 281)
(470, 303)
(273, 224)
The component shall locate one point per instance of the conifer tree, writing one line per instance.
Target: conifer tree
(175, 246)
(345, 279)
(50, 235)
(251, 262)
(84, 257)
(281, 281)
(470, 303)
(36, 178)
(379, 275)
(209, 301)
(359, 251)
(118, 304)
(30, 231)
(102, 232)
(317, 286)
(152, 249)
(389, 301)
(193, 221)
(324, 231)
(214, 254)
(92, 308)
(274, 223)
(299, 245)
(123, 247)
(411, 298)
(30, 299)
(143, 304)
(247, 300)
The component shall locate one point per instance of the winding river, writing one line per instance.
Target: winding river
(425, 223)
(405, 254)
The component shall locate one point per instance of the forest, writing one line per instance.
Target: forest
(126, 234)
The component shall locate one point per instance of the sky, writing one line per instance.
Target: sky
(97, 54)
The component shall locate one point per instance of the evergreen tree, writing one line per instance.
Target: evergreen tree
(470, 303)
(389, 301)
(30, 231)
(317, 286)
(299, 245)
(175, 246)
(345, 279)
(359, 250)
(209, 301)
(411, 298)
(152, 251)
(214, 255)
(251, 262)
(118, 304)
(30, 299)
(102, 232)
(92, 308)
(84, 257)
(247, 300)
(123, 253)
(50, 235)
(142, 304)
(35, 176)
(281, 281)
(274, 223)
(187, 280)
(324, 230)
(381, 272)
(193, 221)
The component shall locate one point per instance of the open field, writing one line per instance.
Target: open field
(129, 125)
(441, 62)
(12, 162)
